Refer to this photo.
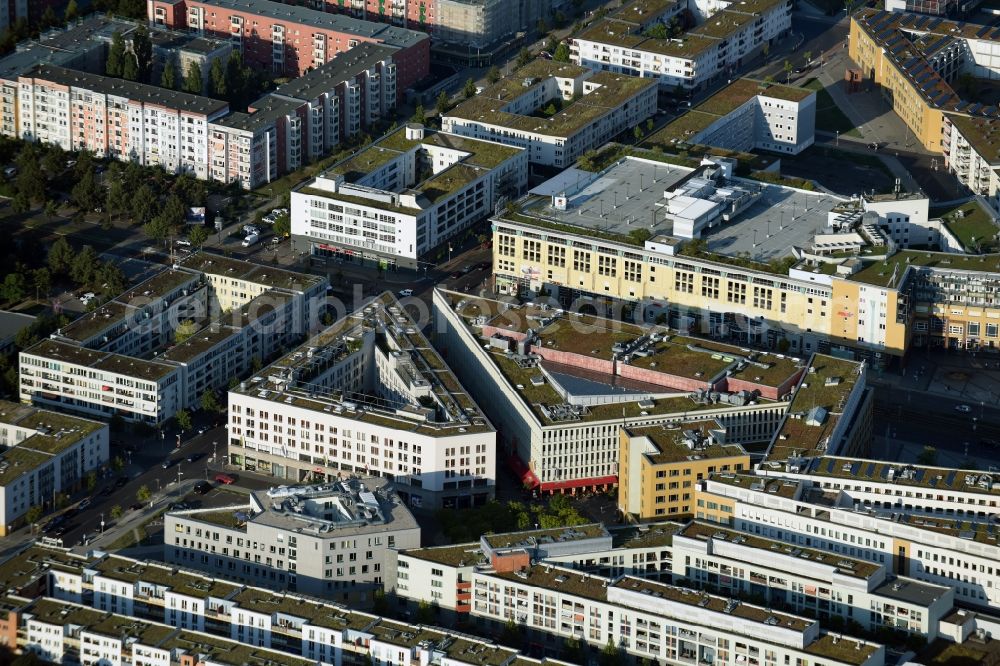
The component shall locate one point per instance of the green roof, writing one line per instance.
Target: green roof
(880, 273)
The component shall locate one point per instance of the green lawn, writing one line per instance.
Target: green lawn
(975, 230)
(829, 117)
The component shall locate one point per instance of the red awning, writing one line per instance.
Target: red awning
(580, 483)
(522, 471)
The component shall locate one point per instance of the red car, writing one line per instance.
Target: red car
(225, 478)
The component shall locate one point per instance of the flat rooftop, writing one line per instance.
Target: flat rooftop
(268, 276)
(817, 406)
(713, 603)
(489, 107)
(54, 432)
(181, 582)
(397, 336)
(170, 99)
(313, 18)
(546, 536)
(319, 613)
(847, 566)
(918, 476)
(463, 554)
(889, 272)
(34, 562)
(671, 447)
(624, 33)
(778, 487)
(12, 322)
(212, 649)
(648, 535)
(911, 591)
(200, 342)
(629, 196)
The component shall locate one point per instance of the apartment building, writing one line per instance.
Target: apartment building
(916, 61)
(656, 463)
(561, 386)
(727, 35)
(956, 553)
(116, 118)
(164, 615)
(409, 192)
(125, 358)
(343, 531)
(973, 149)
(368, 396)
(590, 109)
(289, 40)
(44, 454)
(748, 115)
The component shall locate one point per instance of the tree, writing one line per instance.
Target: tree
(143, 494)
(523, 58)
(41, 278)
(116, 55)
(638, 133)
(72, 12)
(55, 159)
(51, 208)
(84, 266)
(209, 402)
(236, 78)
(218, 78)
(48, 18)
(493, 75)
(542, 26)
(283, 226)
(142, 48)
(60, 256)
(470, 88)
(87, 194)
(183, 420)
(562, 53)
(130, 68)
(117, 464)
(111, 275)
(550, 110)
(185, 330)
(116, 512)
(788, 71)
(31, 181)
(13, 287)
(193, 81)
(419, 115)
(32, 515)
(117, 200)
(198, 235)
(657, 31)
(425, 612)
(143, 204)
(610, 655)
(442, 103)
(168, 79)
(91, 481)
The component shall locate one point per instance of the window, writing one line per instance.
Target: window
(506, 246)
(633, 271)
(557, 256)
(532, 250)
(762, 298)
(581, 261)
(607, 266)
(684, 282)
(709, 287)
(736, 292)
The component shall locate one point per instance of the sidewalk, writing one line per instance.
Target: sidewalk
(851, 145)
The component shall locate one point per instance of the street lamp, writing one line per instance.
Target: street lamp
(214, 444)
(102, 522)
(179, 474)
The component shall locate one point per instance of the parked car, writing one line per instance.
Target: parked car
(251, 240)
(193, 457)
(136, 507)
(405, 293)
(965, 409)
(84, 503)
(203, 487)
(168, 463)
(184, 242)
(225, 479)
(107, 490)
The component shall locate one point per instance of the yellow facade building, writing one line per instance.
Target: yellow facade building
(659, 467)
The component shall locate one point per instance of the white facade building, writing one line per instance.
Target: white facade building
(727, 35)
(407, 193)
(368, 396)
(124, 357)
(328, 540)
(44, 454)
(581, 110)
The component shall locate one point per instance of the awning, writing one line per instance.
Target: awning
(580, 483)
(522, 471)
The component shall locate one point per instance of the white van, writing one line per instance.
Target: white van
(251, 240)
